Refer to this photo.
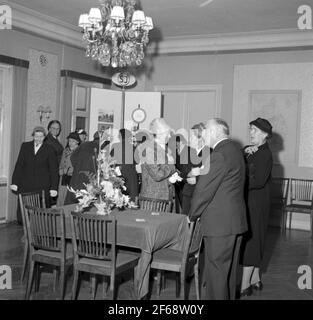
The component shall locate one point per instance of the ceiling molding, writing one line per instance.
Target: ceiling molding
(236, 41)
(31, 21)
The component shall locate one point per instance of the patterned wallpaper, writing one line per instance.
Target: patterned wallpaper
(42, 88)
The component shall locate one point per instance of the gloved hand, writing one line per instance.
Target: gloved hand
(191, 180)
(53, 193)
(14, 187)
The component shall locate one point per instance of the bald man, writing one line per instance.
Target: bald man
(218, 200)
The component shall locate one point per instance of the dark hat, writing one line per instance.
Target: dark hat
(263, 125)
(75, 136)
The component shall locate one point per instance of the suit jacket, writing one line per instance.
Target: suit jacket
(195, 161)
(155, 173)
(219, 194)
(34, 172)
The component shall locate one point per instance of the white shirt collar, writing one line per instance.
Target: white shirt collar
(218, 142)
(36, 148)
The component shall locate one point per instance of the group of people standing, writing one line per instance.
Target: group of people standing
(223, 185)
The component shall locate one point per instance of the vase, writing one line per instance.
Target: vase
(102, 208)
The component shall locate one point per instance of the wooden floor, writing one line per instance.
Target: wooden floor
(283, 257)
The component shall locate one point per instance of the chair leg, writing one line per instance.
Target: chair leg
(56, 278)
(25, 261)
(183, 289)
(93, 281)
(177, 285)
(159, 278)
(196, 277)
(290, 217)
(311, 220)
(113, 286)
(74, 286)
(30, 280)
(37, 277)
(104, 287)
(62, 281)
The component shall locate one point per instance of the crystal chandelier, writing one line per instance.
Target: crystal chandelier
(116, 34)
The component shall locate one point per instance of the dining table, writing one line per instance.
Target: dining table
(145, 230)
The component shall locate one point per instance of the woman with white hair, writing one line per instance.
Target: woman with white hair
(157, 163)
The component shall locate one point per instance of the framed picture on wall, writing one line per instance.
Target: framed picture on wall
(283, 109)
(105, 111)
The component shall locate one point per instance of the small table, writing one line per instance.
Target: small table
(146, 231)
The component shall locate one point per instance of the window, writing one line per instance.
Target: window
(81, 104)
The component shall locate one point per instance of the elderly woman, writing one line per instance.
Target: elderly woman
(36, 167)
(66, 167)
(157, 163)
(259, 166)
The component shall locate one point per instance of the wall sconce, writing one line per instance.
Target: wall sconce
(44, 112)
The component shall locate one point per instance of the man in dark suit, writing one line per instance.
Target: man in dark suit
(36, 168)
(218, 200)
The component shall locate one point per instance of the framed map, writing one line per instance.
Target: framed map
(282, 108)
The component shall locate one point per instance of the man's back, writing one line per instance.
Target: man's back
(219, 195)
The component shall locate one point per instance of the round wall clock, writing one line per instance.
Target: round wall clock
(139, 115)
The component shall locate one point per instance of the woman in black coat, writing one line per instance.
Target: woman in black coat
(36, 168)
(259, 166)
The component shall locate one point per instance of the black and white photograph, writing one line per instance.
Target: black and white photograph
(192, 183)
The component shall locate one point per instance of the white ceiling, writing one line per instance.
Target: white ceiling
(183, 18)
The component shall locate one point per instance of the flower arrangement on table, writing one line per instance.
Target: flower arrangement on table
(104, 189)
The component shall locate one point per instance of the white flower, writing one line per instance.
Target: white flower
(107, 188)
(175, 177)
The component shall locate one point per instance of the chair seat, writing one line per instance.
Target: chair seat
(167, 259)
(123, 261)
(299, 208)
(45, 256)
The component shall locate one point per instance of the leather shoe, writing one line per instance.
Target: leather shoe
(246, 292)
(257, 286)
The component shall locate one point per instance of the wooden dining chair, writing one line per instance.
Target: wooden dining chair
(301, 200)
(46, 236)
(157, 205)
(34, 199)
(94, 243)
(182, 262)
(279, 196)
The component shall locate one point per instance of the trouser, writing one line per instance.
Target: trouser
(220, 267)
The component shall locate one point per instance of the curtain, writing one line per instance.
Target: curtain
(18, 127)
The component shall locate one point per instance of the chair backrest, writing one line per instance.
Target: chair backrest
(157, 205)
(301, 191)
(45, 229)
(279, 190)
(33, 199)
(94, 236)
